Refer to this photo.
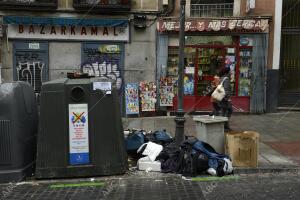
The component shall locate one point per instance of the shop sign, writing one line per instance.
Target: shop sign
(34, 46)
(78, 134)
(231, 25)
(116, 33)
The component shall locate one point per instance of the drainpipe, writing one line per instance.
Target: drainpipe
(180, 119)
(1, 34)
(277, 34)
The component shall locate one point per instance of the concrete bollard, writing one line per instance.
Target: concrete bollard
(210, 129)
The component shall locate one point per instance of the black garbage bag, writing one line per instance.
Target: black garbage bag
(159, 137)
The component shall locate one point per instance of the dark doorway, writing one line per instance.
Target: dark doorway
(290, 56)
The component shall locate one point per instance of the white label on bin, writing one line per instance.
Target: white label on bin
(105, 86)
(78, 134)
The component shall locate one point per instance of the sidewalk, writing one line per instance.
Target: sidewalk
(279, 134)
(279, 152)
(279, 137)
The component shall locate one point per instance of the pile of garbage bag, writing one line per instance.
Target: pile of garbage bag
(157, 151)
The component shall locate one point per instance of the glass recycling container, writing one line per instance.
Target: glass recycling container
(18, 130)
(80, 131)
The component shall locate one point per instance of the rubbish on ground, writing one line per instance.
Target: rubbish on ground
(194, 157)
(212, 171)
(145, 164)
(152, 150)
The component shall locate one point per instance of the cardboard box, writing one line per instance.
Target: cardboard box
(242, 147)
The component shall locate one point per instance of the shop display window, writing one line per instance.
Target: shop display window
(245, 71)
(203, 61)
(210, 61)
(209, 40)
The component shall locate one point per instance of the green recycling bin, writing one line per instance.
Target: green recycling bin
(80, 130)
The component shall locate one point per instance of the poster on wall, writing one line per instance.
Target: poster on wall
(148, 96)
(188, 84)
(132, 98)
(78, 134)
(230, 63)
(166, 91)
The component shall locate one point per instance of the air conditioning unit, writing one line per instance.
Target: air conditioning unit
(165, 2)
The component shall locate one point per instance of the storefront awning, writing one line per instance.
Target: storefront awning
(26, 20)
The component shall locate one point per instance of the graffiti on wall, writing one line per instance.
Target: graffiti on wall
(103, 60)
(104, 69)
(30, 68)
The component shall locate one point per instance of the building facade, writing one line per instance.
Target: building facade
(136, 42)
(44, 40)
(289, 90)
(221, 33)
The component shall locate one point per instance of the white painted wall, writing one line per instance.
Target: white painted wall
(188, 8)
(237, 8)
(277, 34)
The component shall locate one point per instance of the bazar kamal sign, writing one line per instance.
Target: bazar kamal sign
(115, 33)
(234, 25)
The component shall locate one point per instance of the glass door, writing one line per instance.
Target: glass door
(209, 62)
(245, 72)
(189, 70)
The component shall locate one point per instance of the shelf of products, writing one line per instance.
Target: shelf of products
(209, 61)
(173, 60)
(245, 72)
(230, 62)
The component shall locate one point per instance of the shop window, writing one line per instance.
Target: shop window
(204, 57)
(103, 5)
(29, 4)
(245, 71)
(209, 40)
(211, 8)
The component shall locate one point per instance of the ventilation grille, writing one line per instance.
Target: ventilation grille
(5, 142)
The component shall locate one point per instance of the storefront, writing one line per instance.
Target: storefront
(239, 44)
(48, 48)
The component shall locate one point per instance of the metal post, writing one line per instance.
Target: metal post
(179, 119)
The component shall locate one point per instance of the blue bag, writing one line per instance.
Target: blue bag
(162, 136)
(134, 140)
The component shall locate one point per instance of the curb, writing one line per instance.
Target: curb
(267, 170)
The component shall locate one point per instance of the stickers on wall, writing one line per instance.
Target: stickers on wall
(148, 96)
(78, 134)
(166, 91)
(132, 98)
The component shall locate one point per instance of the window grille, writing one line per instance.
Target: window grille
(211, 8)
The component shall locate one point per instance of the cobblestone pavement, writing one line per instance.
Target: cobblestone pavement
(154, 186)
